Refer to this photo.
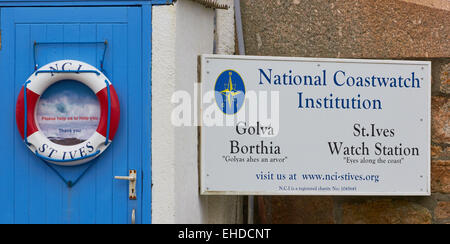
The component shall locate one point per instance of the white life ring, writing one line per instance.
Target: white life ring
(35, 86)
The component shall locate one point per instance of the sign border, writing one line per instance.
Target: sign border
(202, 177)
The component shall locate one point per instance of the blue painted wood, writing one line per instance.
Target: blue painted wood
(22, 3)
(7, 146)
(30, 191)
(147, 115)
(77, 1)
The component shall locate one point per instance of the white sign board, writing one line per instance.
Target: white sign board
(310, 126)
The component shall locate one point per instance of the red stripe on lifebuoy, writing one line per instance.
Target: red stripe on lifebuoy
(102, 96)
(32, 99)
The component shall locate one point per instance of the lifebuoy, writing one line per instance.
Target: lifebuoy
(29, 96)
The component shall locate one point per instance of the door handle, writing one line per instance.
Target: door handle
(131, 178)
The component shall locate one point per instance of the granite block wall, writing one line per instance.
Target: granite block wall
(379, 29)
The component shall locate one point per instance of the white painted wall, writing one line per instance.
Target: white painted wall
(163, 133)
(195, 35)
(225, 209)
(180, 33)
(225, 29)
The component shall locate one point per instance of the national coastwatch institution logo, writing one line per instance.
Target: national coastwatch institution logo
(230, 92)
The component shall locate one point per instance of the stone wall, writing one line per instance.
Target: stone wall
(380, 29)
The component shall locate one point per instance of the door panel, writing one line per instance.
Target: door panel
(30, 191)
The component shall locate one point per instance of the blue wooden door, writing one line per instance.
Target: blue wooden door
(30, 191)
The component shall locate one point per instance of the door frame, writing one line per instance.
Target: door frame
(146, 35)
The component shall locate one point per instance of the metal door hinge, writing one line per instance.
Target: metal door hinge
(131, 183)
